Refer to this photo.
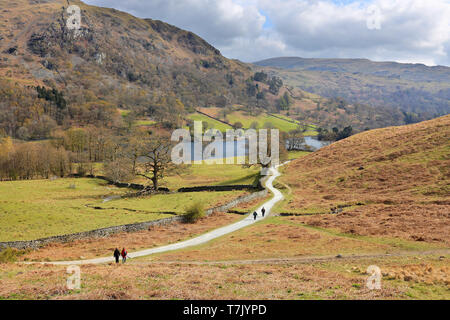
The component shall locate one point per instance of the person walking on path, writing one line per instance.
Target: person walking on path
(117, 255)
(263, 212)
(124, 255)
(255, 215)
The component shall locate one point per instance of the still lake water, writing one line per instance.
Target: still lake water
(316, 144)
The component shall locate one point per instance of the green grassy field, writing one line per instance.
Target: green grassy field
(169, 203)
(215, 174)
(283, 125)
(44, 208)
(311, 129)
(123, 112)
(204, 174)
(140, 123)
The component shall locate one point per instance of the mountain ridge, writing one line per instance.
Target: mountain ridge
(414, 88)
(299, 62)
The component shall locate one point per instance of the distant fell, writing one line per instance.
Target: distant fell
(407, 71)
(412, 88)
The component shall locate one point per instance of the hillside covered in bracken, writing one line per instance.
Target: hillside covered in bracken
(391, 182)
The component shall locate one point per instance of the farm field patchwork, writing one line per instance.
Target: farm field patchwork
(279, 121)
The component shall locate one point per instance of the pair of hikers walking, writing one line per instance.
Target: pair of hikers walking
(123, 254)
(263, 211)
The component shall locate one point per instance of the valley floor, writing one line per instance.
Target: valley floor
(389, 210)
(277, 258)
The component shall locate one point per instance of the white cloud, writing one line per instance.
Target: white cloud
(414, 30)
(218, 21)
(409, 30)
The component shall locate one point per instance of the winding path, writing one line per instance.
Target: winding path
(249, 220)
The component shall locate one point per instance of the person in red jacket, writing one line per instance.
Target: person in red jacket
(124, 255)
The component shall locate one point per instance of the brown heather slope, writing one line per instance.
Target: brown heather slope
(392, 182)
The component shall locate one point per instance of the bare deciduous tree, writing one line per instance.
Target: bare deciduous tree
(155, 158)
(295, 139)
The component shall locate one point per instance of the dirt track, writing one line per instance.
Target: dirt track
(308, 259)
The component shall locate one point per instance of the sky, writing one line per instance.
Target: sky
(409, 31)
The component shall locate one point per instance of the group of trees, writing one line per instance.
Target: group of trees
(274, 83)
(26, 161)
(143, 154)
(56, 98)
(42, 134)
(335, 134)
(23, 115)
(411, 117)
(34, 113)
(261, 77)
(257, 92)
(285, 102)
(295, 140)
(29, 113)
(78, 151)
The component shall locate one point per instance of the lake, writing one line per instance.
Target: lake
(240, 149)
(316, 144)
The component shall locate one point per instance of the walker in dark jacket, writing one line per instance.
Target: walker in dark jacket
(117, 255)
(255, 215)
